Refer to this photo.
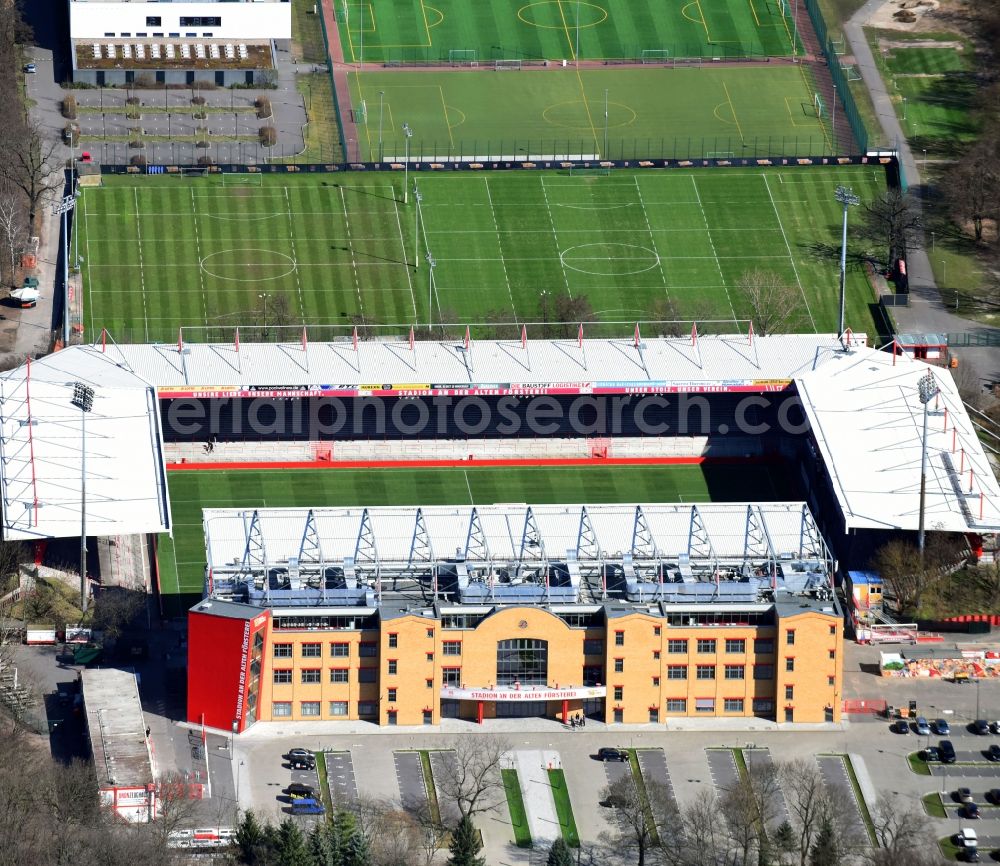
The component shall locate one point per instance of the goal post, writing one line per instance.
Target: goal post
(360, 114)
(463, 56)
(589, 171)
(505, 65)
(818, 105)
(655, 55)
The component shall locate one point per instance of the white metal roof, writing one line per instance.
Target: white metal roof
(707, 363)
(40, 448)
(117, 727)
(868, 421)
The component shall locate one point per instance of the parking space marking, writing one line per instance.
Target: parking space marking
(761, 759)
(441, 763)
(722, 767)
(653, 764)
(615, 770)
(834, 773)
(959, 771)
(340, 777)
(410, 778)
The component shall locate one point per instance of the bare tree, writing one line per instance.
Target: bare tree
(115, 607)
(750, 809)
(12, 231)
(639, 823)
(807, 799)
(973, 185)
(893, 220)
(472, 779)
(774, 303)
(28, 162)
(903, 837)
(176, 808)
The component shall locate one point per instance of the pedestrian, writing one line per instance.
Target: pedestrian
(583, 720)
(572, 722)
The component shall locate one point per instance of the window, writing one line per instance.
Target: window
(657, 631)
(282, 676)
(763, 707)
(339, 675)
(429, 683)
(393, 640)
(368, 650)
(656, 655)
(619, 638)
(111, 35)
(733, 705)
(367, 708)
(338, 708)
(451, 676)
(310, 708)
(428, 717)
(763, 645)
(619, 715)
(677, 646)
(593, 647)
(656, 682)
(310, 676)
(282, 650)
(142, 35)
(830, 681)
(522, 660)
(833, 629)
(391, 718)
(789, 693)
(789, 714)
(430, 633)
(619, 693)
(619, 666)
(280, 709)
(706, 672)
(704, 705)
(452, 648)
(430, 657)
(677, 672)
(201, 21)
(312, 650)
(340, 650)
(654, 715)
(833, 654)
(154, 21)
(126, 34)
(736, 645)
(706, 645)
(735, 672)
(763, 672)
(393, 666)
(592, 675)
(790, 664)
(790, 637)
(391, 696)
(367, 675)
(676, 705)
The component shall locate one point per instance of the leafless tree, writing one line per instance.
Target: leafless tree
(640, 824)
(399, 840)
(893, 220)
(807, 799)
(750, 809)
(774, 303)
(903, 837)
(176, 807)
(28, 162)
(471, 780)
(114, 608)
(12, 232)
(973, 185)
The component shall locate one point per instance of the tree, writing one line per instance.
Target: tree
(559, 854)
(807, 801)
(774, 303)
(972, 186)
(562, 314)
(903, 837)
(320, 846)
(783, 841)
(470, 777)
(749, 807)
(290, 848)
(12, 233)
(893, 220)
(465, 845)
(825, 850)
(28, 162)
(251, 840)
(115, 607)
(634, 830)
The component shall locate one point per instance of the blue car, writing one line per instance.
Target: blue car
(307, 806)
(942, 727)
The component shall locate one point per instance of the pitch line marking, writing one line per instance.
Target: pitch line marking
(732, 108)
(711, 243)
(788, 247)
(291, 237)
(555, 236)
(90, 282)
(142, 275)
(350, 247)
(652, 237)
(212, 273)
(503, 263)
(609, 273)
(402, 249)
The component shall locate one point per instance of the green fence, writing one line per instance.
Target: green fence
(333, 86)
(837, 74)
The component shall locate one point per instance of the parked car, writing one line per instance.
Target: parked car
(307, 806)
(298, 791)
(970, 855)
(922, 727)
(303, 763)
(981, 727)
(298, 753)
(901, 727)
(993, 796)
(964, 795)
(942, 728)
(970, 810)
(966, 838)
(30, 68)
(931, 753)
(993, 752)
(608, 754)
(995, 727)
(947, 752)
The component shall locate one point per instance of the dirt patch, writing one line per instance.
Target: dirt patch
(923, 16)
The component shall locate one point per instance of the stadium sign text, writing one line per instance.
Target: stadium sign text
(524, 694)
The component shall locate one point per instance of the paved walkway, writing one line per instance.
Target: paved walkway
(532, 774)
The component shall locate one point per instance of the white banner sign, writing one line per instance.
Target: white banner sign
(535, 693)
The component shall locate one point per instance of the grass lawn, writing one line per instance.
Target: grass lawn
(933, 806)
(918, 765)
(746, 111)
(515, 803)
(164, 252)
(937, 111)
(564, 810)
(413, 31)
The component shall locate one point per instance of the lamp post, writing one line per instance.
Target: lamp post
(430, 290)
(927, 390)
(381, 100)
(605, 153)
(833, 121)
(417, 197)
(83, 399)
(62, 208)
(408, 133)
(904, 108)
(264, 297)
(846, 197)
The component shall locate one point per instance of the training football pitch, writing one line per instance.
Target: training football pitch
(760, 110)
(182, 560)
(164, 252)
(395, 31)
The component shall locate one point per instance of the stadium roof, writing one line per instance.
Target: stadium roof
(40, 448)
(661, 364)
(867, 420)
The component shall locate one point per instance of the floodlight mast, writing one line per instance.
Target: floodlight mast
(406, 163)
(83, 399)
(927, 390)
(846, 197)
(62, 208)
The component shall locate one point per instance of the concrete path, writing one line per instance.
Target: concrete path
(532, 766)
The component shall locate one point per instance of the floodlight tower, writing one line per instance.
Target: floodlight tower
(62, 208)
(927, 390)
(83, 399)
(846, 197)
(406, 163)
(430, 290)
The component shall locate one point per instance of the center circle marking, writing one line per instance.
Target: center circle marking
(228, 264)
(577, 108)
(609, 259)
(553, 11)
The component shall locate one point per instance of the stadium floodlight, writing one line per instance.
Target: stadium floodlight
(381, 101)
(264, 296)
(417, 197)
(406, 162)
(927, 390)
(846, 197)
(430, 289)
(62, 208)
(83, 399)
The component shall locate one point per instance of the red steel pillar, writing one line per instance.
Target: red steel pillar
(565, 712)
(479, 712)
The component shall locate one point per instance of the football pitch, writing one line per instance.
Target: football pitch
(164, 252)
(760, 110)
(181, 560)
(394, 31)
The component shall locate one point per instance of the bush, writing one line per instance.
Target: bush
(199, 115)
(69, 107)
(202, 144)
(263, 106)
(138, 159)
(205, 160)
(133, 100)
(268, 136)
(198, 100)
(137, 144)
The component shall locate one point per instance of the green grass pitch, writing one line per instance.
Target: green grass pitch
(760, 110)
(163, 252)
(414, 31)
(182, 560)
